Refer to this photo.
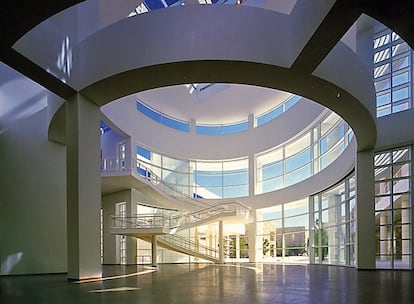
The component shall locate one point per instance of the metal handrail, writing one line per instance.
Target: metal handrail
(190, 245)
(142, 169)
(160, 220)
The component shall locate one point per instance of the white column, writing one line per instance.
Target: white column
(251, 237)
(221, 242)
(365, 218)
(83, 188)
(237, 246)
(131, 242)
(154, 250)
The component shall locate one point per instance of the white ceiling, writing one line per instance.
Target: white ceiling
(223, 103)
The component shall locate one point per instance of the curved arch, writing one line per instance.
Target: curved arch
(309, 86)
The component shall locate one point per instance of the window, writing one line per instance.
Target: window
(393, 208)
(163, 119)
(392, 73)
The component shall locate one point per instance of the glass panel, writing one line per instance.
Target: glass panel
(296, 208)
(399, 48)
(381, 70)
(382, 55)
(401, 170)
(382, 159)
(209, 130)
(297, 146)
(383, 187)
(144, 152)
(401, 155)
(400, 106)
(400, 63)
(380, 41)
(383, 99)
(272, 170)
(272, 184)
(144, 109)
(235, 128)
(400, 94)
(234, 178)
(298, 175)
(238, 191)
(298, 160)
(262, 119)
(382, 85)
(382, 173)
(176, 124)
(382, 203)
(401, 185)
(383, 111)
(400, 79)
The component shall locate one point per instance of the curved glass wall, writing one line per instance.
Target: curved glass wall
(195, 178)
(300, 159)
(333, 231)
(319, 229)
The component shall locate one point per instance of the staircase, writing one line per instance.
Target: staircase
(144, 226)
(184, 245)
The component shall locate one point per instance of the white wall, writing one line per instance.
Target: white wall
(32, 199)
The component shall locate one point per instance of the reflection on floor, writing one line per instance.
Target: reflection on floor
(209, 283)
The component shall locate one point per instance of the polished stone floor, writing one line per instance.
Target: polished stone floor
(208, 283)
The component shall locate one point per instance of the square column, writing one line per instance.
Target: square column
(365, 218)
(83, 188)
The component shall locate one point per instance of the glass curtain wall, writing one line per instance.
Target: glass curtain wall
(301, 158)
(332, 234)
(392, 73)
(393, 208)
(283, 232)
(194, 178)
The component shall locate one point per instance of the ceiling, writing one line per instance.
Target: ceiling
(217, 103)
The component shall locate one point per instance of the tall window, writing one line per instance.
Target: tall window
(332, 234)
(392, 73)
(283, 232)
(393, 208)
(120, 211)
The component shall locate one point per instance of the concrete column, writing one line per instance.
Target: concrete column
(131, 242)
(251, 238)
(237, 246)
(365, 216)
(221, 242)
(83, 188)
(252, 175)
(154, 250)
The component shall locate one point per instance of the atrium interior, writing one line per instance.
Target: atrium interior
(248, 141)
